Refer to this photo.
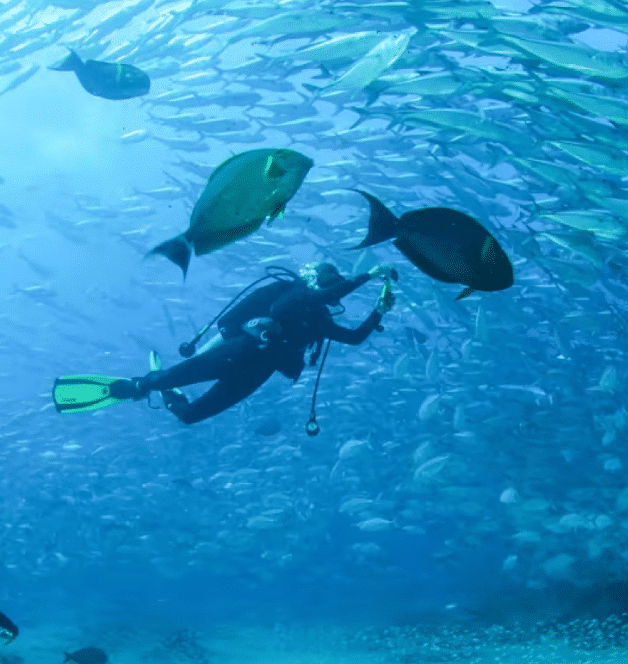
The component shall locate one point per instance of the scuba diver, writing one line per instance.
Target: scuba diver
(267, 331)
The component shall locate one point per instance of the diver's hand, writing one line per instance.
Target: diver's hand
(386, 299)
(384, 271)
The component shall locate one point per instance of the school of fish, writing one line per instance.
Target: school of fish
(490, 136)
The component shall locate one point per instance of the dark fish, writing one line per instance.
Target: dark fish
(446, 244)
(87, 656)
(8, 629)
(240, 193)
(268, 427)
(109, 80)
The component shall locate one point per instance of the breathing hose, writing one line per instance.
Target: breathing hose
(312, 428)
(188, 348)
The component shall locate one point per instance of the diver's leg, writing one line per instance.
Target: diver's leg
(225, 393)
(210, 365)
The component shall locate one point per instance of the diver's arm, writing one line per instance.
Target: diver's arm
(353, 337)
(334, 332)
(337, 292)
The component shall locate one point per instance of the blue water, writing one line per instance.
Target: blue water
(502, 506)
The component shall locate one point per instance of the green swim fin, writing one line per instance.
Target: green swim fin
(77, 394)
(154, 361)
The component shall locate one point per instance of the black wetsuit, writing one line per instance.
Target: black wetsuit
(240, 365)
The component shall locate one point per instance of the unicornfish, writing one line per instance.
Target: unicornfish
(110, 80)
(446, 244)
(240, 193)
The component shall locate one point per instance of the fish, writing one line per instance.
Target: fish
(8, 629)
(294, 23)
(376, 524)
(430, 468)
(445, 244)
(598, 222)
(88, 655)
(352, 448)
(21, 78)
(583, 60)
(615, 110)
(603, 157)
(134, 136)
(341, 47)
(467, 122)
(429, 407)
(433, 84)
(240, 194)
(109, 80)
(382, 56)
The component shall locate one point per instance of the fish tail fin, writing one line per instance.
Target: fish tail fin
(178, 250)
(70, 63)
(382, 222)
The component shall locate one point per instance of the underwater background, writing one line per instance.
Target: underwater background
(467, 497)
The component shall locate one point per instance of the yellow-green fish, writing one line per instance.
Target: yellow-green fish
(243, 191)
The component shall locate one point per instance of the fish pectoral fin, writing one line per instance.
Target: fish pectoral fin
(279, 212)
(464, 293)
(273, 169)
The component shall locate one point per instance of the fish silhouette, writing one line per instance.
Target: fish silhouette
(446, 244)
(109, 80)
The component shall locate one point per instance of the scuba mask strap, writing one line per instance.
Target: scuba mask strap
(312, 428)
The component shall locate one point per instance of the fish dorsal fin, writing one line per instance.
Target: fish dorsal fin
(222, 166)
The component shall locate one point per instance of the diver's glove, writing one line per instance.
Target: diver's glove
(384, 271)
(386, 299)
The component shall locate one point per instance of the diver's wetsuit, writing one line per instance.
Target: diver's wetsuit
(240, 365)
